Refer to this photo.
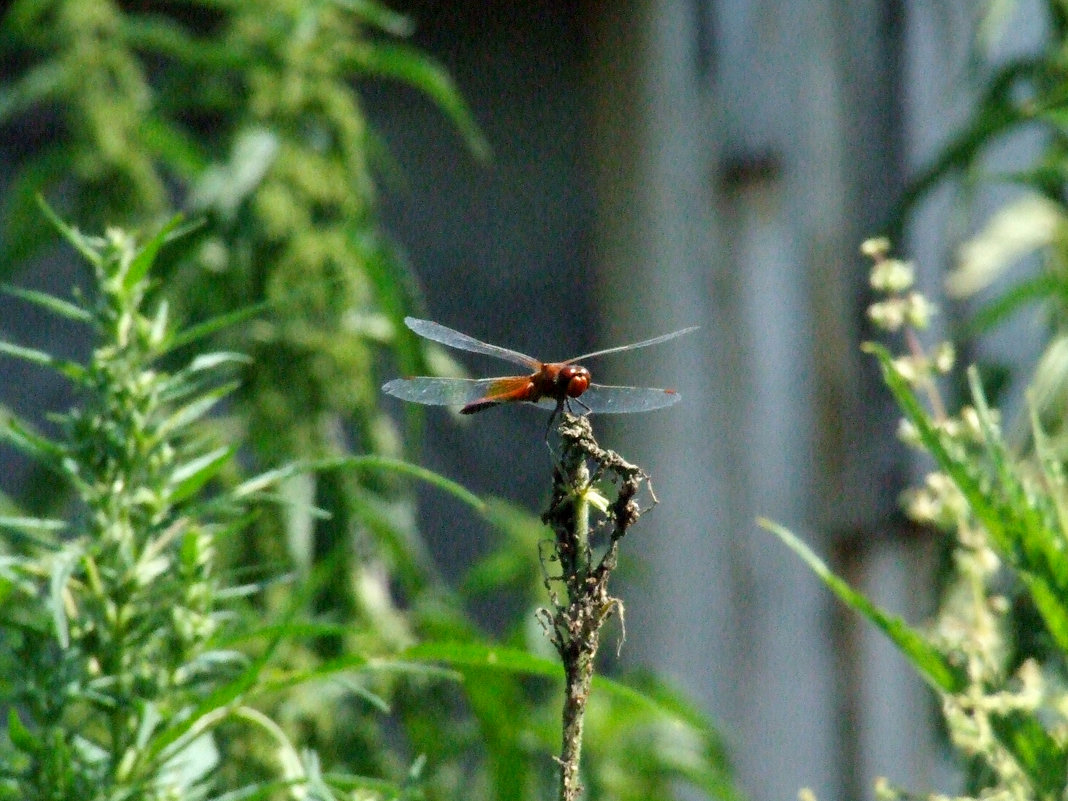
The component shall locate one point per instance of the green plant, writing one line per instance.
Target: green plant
(115, 656)
(1015, 99)
(247, 116)
(1001, 686)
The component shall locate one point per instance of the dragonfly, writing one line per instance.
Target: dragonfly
(549, 384)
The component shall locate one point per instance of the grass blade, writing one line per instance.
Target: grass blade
(64, 308)
(929, 662)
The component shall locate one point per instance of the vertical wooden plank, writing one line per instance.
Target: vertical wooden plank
(724, 609)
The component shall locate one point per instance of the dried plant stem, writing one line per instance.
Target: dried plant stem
(579, 593)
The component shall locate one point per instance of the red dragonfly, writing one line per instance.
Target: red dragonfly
(550, 384)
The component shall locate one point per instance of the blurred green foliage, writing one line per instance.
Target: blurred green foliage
(1020, 107)
(996, 652)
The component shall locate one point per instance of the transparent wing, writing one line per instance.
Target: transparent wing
(437, 332)
(451, 391)
(599, 398)
(607, 399)
(635, 345)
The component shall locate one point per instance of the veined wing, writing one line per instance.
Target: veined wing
(607, 399)
(634, 345)
(437, 332)
(454, 391)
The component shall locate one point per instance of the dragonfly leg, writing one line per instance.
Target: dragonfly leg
(580, 403)
(553, 417)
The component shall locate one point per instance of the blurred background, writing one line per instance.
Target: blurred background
(656, 165)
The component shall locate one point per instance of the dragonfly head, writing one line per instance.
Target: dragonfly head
(573, 380)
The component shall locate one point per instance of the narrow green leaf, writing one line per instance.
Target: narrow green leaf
(80, 241)
(1017, 529)
(146, 254)
(190, 477)
(42, 450)
(269, 478)
(72, 370)
(21, 737)
(378, 15)
(209, 327)
(396, 294)
(160, 35)
(353, 664)
(187, 771)
(264, 790)
(289, 760)
(483, 655)
(192, 412)
(173, 146)
(1038, 753)
(293, 631)
(400, 466)
(396, 287)
(368, 462)
(197, 376)
(62, 569)
(1007, 303)
(357, 786)
(1034, 525)
(1057, 117)
(928, 660)
(64, 308)
(31, 523)
(960, 472)
(210, 361)
(1051, 606)
(365, 694)
(416, 68)
(27, 232)
(992, 119)
(29, 531)
(488, 656)
(34, 85)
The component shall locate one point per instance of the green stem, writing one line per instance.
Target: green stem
(579, 677)
(581, 643)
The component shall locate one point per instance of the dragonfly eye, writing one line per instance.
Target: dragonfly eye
(575, 379)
